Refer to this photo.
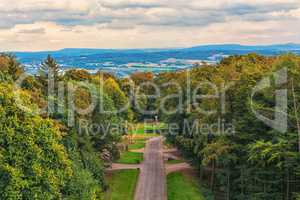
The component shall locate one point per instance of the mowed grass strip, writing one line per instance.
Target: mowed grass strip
(174, 161)
(137, 145)
(131, 158)
(146, 129)
(155, 126)
(183, 187)
(122, 185)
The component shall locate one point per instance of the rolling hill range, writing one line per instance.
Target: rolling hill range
(125, 61)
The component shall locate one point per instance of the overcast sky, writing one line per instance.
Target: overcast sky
(31, 25)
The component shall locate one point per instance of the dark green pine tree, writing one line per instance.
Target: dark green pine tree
(49, 76)
(49, 71)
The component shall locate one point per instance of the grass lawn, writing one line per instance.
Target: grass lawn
(155, 126)
(138, 129)
(137, 145)
(122, 185)
(145, 129)
(183, 187)
(131, 158)
(174, 161)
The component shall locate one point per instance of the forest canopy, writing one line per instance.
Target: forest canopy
(60, 151)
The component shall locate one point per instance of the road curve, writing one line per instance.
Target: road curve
(152, 179)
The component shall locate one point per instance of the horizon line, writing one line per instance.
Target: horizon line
(157, 48)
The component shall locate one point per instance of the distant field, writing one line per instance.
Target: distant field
(182, 187)
(108, 60)
(122, 185)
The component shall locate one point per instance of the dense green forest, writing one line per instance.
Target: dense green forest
(51, 149)
(41, 155)
(255, 161)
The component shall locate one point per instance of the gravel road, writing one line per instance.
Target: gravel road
(152, 180)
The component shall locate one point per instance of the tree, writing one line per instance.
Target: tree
(33, 162)
(261, 162)
(48, 73)
(77, 75)
(112, 88)
(10, 67)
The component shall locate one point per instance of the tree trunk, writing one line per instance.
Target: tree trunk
(212, 178)
(228, 185)
(287, 184)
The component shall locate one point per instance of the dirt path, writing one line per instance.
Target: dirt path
(152, 180)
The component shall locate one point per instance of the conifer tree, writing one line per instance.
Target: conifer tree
(49, 71)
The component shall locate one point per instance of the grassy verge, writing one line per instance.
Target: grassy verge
(137, 145)
(130, 158)
(122, 185)
(174, 161)
(189, 187)
(146, 130)
(155, 126)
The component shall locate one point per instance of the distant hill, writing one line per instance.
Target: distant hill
(126, 61)
(237, 47)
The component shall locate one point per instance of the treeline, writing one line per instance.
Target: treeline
(252, 157)
(48, 149)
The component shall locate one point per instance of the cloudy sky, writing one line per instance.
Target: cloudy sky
(31, 25)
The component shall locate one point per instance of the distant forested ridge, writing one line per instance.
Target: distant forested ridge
(124, 62)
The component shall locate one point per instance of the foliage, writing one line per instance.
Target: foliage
(119, 98)
(45, 158)
(82, 186)
(49, 69)
(77, 75)
(42, 156)
(33, 162)
(10, 68)
(255, 160)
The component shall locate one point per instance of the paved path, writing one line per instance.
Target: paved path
(116, 166)
(138, 150)
(177, 167)
(170, 150)
(152, 180)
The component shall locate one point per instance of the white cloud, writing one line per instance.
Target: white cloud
(145, 23)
